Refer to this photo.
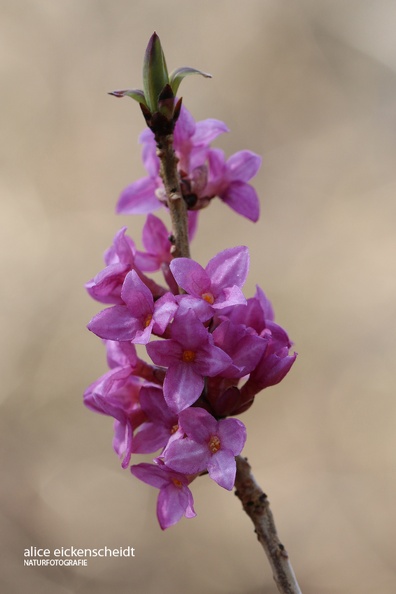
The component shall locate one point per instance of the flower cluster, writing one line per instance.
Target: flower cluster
(203, 170)
(210, 350)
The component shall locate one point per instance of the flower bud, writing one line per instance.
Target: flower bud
(157, 100)
(155, 73)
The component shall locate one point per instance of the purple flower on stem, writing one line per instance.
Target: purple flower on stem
(244, 347)
(116, 394)
(120, 258)
(156, 241)
(228, 180)
(140, 197)
(276, 362)
(191, 142)
(121, 354)
(175, 499)
(209, 445)
(189, 356)
(215, 287)
(161, 421)
(138, 317)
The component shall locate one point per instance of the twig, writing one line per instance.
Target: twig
(176, 204)
(256, 505)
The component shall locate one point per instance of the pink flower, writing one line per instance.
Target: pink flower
(191, 142)
(161, 422)
(209, 445)
(120, 259)
(215, 287)
(116, 394)
(189, 355)
(175, 499)
(137, 317)
(228, 180)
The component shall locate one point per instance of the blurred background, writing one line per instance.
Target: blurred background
(311, 86)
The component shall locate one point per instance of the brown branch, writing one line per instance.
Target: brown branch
(256, 505)
(176, 204)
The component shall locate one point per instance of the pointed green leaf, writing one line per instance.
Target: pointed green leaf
(135, 94)
(177, 76)
(155, 72)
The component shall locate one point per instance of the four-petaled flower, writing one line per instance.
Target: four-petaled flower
(189, 355)
(228, 180)
(137, 317)
(175, 499)
(209, 445)
(215, 287)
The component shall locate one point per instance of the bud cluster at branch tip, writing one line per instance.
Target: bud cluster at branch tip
(157, 99)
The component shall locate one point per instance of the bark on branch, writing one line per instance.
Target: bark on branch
(256, 505)
(177, 206)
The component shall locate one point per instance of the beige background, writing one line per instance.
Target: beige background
(308, 84)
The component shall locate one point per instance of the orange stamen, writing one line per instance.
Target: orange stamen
(188, 356)
(147, 321)
(208, 297)
(214, 444)
(177, 483)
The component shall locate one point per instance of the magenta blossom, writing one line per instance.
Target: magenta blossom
(120, 259)
(215, 287)
(137, 317)
(276, 362)
(244, 347)
(157, 243)
(209, 445)
(191, 142)
(175, 499)
(121, 354)
(116, 394)
(228, 180)
(189, 355)
(204, 172)
(161, 421)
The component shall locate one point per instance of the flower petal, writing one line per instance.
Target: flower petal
(182, 386)
(155, 236)
(229, 267)
(243, 199)
(190, 276)
(222, 469)
(232, 434)
(187, 456)
(139, 197)
(243, 165)
(198, 424)
(137, 296)
(114, 323)
(172, 505)
(207, 130)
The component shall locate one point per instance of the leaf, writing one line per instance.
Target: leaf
(177, 76)
(135, 94)
(155, 72)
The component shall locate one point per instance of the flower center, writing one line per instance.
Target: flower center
(147, 321)
(174, 429)
(208, 297)
(188, 356)
(177, 483)
(214, 444)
